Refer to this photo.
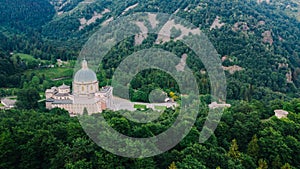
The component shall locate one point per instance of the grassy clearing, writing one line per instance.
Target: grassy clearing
(42, 95)
(1, 105)
(53, 73)
(140, 106)
(28, 58)
(25, 57)
(161, 108)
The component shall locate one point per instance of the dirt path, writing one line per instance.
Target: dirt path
(129, 8)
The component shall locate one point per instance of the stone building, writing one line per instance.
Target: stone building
(215, 105)
(281, 114)
(8, 103)
(85, 94)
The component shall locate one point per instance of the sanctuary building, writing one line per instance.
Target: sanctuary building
(85, 94)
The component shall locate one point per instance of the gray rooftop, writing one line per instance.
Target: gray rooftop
(64, 87)
(62, 94)
(105, 89)
(50, 100)
(62, 101)
(8, 102)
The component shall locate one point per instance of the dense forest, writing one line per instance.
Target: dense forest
(260, 39)
(248, 136)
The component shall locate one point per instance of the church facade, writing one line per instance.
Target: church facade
(85, 94)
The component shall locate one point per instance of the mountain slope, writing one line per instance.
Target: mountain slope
(25, 14)
(257, 40)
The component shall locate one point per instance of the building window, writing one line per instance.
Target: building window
(92, 88)
(82, 88)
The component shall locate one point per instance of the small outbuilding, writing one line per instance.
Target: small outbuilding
(8, 103)
(281, 113)
(215, 105)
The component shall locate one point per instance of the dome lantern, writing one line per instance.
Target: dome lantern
(84, 64)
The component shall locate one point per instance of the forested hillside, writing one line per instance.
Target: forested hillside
(257, 41)
(24, 16)
(248, 137)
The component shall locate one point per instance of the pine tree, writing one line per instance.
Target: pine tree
(85, 111)
(233, 150)
(253, 147)
(262, 164)
(276, 164)
(172, 166)
(286, 166)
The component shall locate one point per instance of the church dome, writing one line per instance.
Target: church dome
(85, 75)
